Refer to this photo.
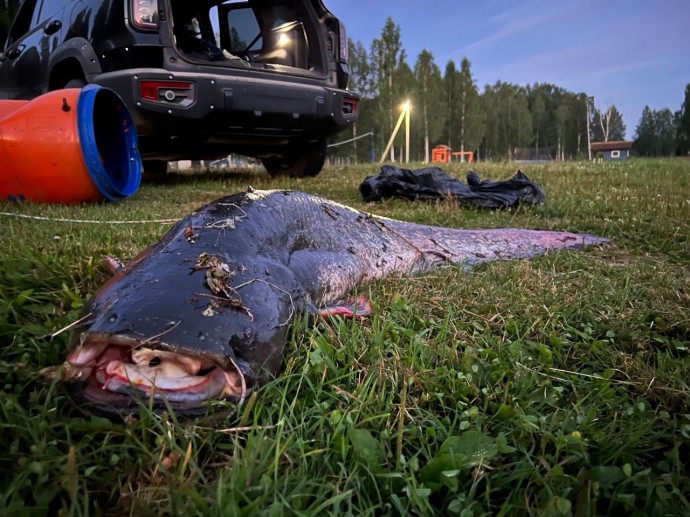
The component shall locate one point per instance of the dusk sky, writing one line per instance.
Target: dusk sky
(627, 53)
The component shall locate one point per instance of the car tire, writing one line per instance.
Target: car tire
(155, 168)
(75, 83)
(305, 161)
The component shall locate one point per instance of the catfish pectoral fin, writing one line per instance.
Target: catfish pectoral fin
(113, 264)
(352, 307)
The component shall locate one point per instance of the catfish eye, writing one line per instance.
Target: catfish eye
(154, 362)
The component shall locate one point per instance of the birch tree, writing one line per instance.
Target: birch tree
(387, 56)
(449, 80)
(360, 82)
(608, 124)
(561, 118)
(470, 110)
(465, 123)
(539, 119)
(428, 98)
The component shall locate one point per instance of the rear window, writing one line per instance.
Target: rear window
(244, 33)
(266, 35)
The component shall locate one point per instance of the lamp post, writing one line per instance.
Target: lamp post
(404, 114)
(406, 107)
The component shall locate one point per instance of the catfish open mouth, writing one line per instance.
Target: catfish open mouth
(112, 372)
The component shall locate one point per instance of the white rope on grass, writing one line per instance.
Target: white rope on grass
(86, 221)
(351, 139)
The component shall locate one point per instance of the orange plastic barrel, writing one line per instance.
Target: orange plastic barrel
(68, 146)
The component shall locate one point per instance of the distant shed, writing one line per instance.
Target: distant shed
(616, 150)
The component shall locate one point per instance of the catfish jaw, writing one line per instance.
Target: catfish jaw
(115, 374)
(164, 332)
(126, 357)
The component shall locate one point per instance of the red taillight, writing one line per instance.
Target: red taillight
(350, 106)
(145, 14)
(174, 92)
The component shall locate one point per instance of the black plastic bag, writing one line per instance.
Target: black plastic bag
(432, 183)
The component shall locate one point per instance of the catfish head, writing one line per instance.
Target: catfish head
(184, 331)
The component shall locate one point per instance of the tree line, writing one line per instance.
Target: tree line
(503, 122)
(663, 132)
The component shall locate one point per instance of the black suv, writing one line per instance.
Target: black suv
(202, 78)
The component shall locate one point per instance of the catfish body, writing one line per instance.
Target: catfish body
(203, 314)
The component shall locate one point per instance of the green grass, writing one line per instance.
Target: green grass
(556, 386)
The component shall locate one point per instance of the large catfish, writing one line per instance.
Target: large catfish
(203, 315)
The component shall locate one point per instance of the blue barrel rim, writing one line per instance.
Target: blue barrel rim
(120, 176)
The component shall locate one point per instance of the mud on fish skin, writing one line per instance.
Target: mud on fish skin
(191, 321)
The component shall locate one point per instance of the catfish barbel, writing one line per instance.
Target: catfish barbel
(203, 315)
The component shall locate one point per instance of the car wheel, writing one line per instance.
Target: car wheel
(305, 161)
(75, 83)
(155, 168)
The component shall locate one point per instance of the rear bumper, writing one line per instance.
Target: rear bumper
(226, 106)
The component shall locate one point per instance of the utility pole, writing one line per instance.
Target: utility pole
(589, 138)
(406, 108)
